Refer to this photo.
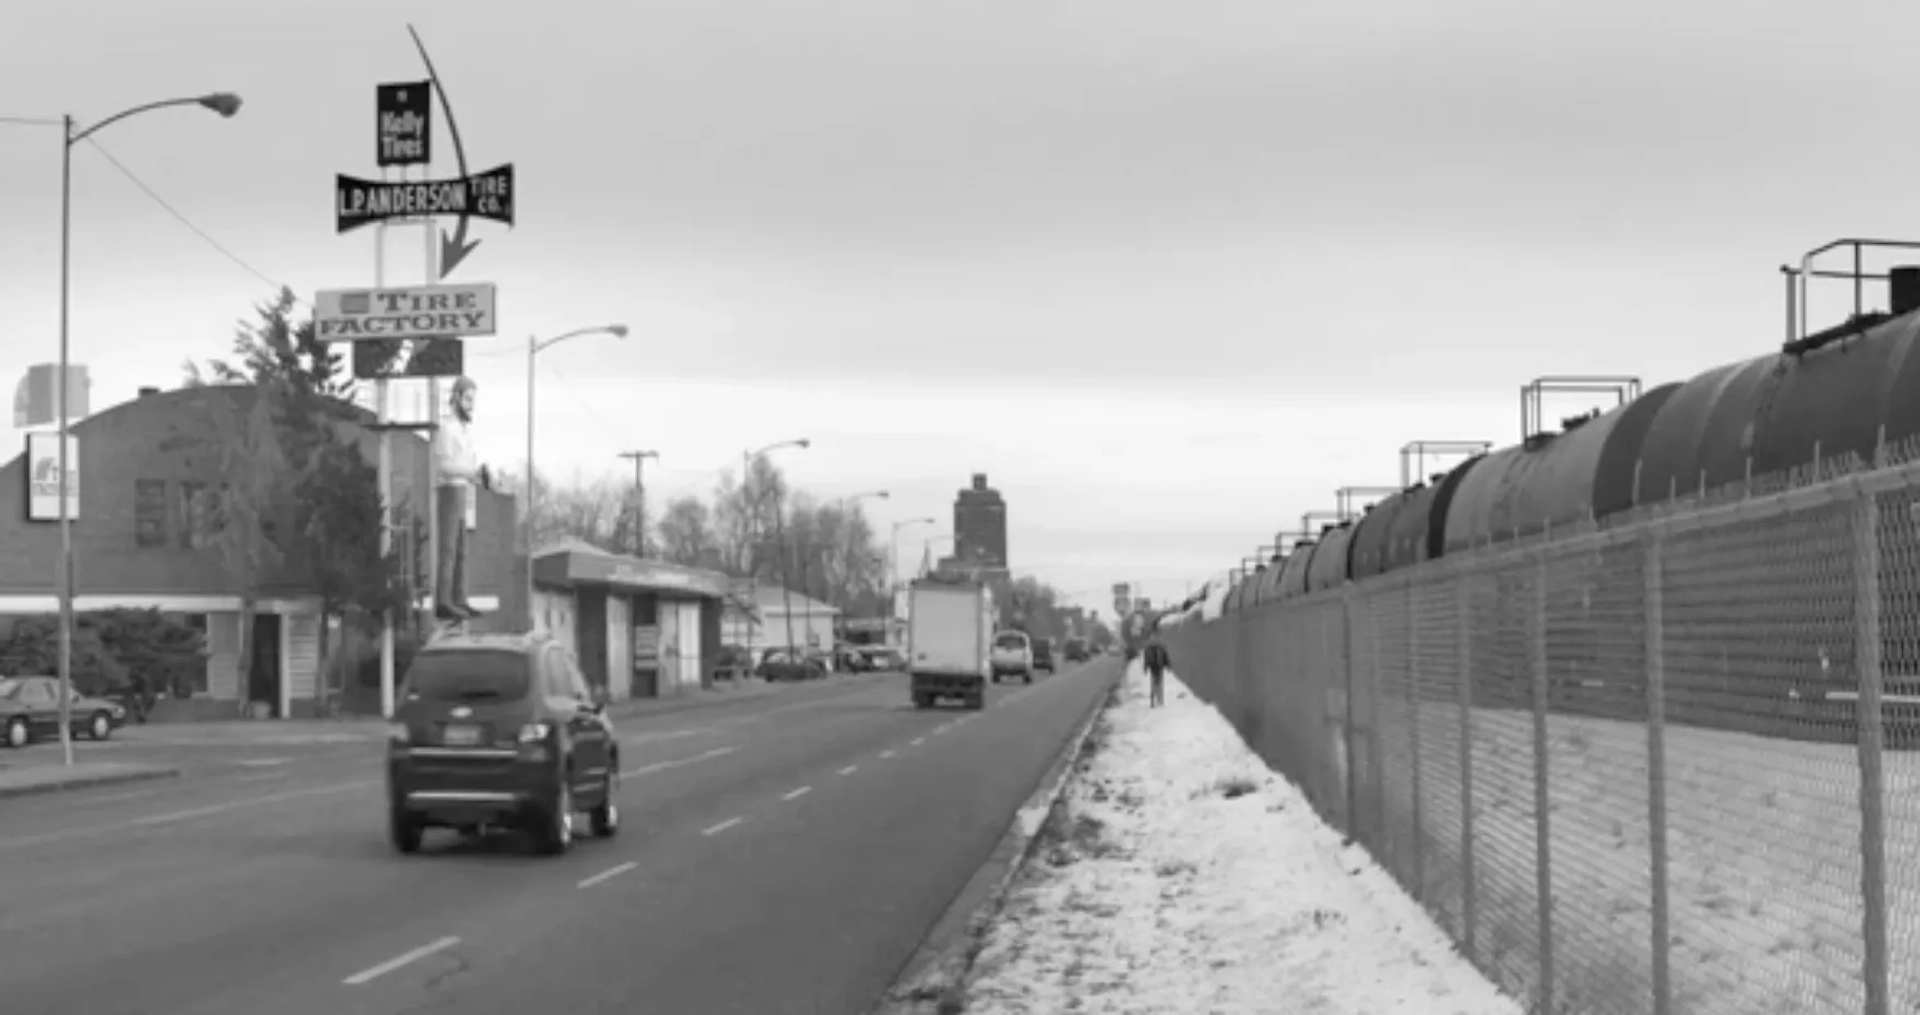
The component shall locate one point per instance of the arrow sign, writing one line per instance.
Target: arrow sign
(487, 195)
(455, 248)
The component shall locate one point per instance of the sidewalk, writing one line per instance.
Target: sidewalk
(1180, 875)
(41, 777)
(362, 729)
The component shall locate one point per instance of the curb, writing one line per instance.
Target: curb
(89, 782)
(941, 964)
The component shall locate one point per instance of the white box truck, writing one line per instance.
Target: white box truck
(949, 640)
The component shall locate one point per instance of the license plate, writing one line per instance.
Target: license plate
(461, 736)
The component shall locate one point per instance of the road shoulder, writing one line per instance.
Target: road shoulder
(934, 976)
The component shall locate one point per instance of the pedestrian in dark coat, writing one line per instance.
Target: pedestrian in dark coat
(1157, 660)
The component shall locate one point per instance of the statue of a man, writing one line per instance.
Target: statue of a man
(458, 470)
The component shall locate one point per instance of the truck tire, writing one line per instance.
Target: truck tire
(1027, 676)
(922, 701)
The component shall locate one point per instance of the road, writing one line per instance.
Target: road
(781, 854)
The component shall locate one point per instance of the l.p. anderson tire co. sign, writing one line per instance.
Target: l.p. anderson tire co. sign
(487, 195)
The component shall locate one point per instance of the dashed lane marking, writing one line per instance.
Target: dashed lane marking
(917, 741)
(405, 958)
(886, 754)
(609, 874)
(850, 769)
(721, 827)
(797, 794)
(662, 766)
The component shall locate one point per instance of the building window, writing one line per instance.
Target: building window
(197, 516)
(150, 512)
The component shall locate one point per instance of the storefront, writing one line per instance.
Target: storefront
(640, 628)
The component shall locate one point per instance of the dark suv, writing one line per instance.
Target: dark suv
(1043, 654)
(499, 730)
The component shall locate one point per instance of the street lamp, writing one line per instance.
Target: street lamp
(893, 563)
(786, 592)
(534, 346)
(224, 103)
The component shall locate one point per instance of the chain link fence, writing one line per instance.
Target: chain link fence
(1668, 765)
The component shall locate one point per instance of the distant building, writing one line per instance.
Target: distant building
(980, 527)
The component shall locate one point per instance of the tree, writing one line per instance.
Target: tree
(336, 496)
(687, 535)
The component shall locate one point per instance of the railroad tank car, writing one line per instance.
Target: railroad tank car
(1550, 482)
(1701, 432)
(1234, 593)
(1368, 553)
(1837, 397)
(1331, 564)
(1420, 530)
(1268, 591)
(1293, 577)
(1616, 481)
(1471, 518)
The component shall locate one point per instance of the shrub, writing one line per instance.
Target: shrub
(114, 651)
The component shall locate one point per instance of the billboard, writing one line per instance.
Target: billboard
(43, 477)
(36, 397)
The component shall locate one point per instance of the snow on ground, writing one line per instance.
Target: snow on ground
(1187, 879)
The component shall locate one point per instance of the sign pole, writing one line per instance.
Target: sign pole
(381, 390)
(432, 492)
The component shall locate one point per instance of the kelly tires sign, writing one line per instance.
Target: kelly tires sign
(413, 312)
(43, 477)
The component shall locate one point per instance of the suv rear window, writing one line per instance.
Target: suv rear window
(1010, 641)
(470, 675)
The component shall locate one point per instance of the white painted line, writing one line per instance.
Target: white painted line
(850, 769)
(937, 730)
(609, 874)
(917, 741)
(263, 762)
(798, 793)
(886, 754)
(661, 766)
(400, 960)
(721, 827)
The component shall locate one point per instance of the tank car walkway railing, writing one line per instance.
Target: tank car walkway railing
(1666, 766)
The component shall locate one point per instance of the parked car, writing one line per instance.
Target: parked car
(1012, 656)
(495, 730)
(1043, 654)
(734, 663)
(1076, 650)
(884, 658)
(30, 709)
(779, 664)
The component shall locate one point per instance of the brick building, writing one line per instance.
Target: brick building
(143, 539)
(980, 527)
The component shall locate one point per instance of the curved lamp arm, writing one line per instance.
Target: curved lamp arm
(224, 103)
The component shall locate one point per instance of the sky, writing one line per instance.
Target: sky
(1169, 274)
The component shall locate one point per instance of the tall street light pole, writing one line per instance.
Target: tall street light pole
(893, 569)
(534, 347)
(224, 103)
(746, 471)
(640, 499)
(842, 502)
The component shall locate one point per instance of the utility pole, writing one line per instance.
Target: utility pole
(640, 498)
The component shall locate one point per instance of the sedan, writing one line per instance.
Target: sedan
(30, 709)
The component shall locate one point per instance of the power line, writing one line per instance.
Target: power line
(135, 179)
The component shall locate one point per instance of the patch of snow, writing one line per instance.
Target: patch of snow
(1168, 895)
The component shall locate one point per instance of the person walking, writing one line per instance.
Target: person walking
(1157, 660)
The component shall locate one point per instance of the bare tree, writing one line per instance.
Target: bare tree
(687, 534)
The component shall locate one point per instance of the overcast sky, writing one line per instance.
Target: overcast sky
(1168, 272)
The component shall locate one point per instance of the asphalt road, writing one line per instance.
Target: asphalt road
(781, 854)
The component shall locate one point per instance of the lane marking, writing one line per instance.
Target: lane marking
(850, 769)
(886, 754)
(662, 766)
(648, 738)
(798, 793)
(609, 874)
(263, 762)
(721, 827)
(937, 730)
(397, 961)
(917, 741)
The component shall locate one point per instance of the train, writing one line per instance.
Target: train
(1835, 400)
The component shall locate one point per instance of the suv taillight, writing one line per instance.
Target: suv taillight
(535, 732)
(398, 733)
